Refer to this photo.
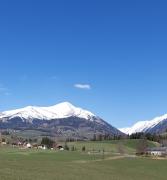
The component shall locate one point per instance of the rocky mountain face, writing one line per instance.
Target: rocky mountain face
(62, 119)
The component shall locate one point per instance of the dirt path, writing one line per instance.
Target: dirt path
(105, 159)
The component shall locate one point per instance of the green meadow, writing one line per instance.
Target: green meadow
(19, 164)
(111, 147)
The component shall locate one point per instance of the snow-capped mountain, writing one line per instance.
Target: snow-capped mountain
(59, 111)
(157, 125)
(61, 119)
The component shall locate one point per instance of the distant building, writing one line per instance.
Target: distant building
(157, 151)
(4, 143)
(42, 147)
(60, 147)
(28, 145)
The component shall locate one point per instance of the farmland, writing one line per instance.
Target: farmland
(30, 164)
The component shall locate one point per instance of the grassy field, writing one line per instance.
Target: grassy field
(17, 164)
(129, 145)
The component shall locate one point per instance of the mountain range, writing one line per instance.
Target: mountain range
(63, 119)
(157, 125)
(66, 120)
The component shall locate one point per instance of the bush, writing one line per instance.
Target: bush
(83, 148)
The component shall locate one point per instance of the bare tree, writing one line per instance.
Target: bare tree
(0, 138)
(142, 146)
(120, 148)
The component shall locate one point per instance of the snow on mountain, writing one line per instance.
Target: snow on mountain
(59, 111)
(125, 130)
(60, 120)
(144, 126)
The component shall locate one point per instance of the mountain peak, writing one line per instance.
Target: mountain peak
(146, 126)
(58, 111)
(61, 119)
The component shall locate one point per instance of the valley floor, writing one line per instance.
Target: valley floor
(16, 164)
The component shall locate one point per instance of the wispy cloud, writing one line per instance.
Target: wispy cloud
(4, 90)
(83, 86)
(54, 77)
(7, 93)
(24, 77)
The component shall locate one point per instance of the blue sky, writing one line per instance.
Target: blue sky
(106, 56)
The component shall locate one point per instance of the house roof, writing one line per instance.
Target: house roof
(157, 149)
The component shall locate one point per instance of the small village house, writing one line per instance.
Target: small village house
(28, 145)
(157, 151)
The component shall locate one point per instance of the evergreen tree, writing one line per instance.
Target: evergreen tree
(66, 147)
(83, 148)
(47, 142)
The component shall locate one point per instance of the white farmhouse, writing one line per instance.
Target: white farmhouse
(157, 151)
(28, 145)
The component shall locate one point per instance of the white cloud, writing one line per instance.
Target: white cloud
(82, 86)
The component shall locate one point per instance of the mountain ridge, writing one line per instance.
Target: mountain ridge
(157, 125)
(62, 119)
(61, 110)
